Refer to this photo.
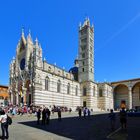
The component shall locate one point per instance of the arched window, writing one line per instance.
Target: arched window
(68, 88)
(94, 91)
(84, 91)
(76, 90)
(49, 69)
(47, 83)
(100, 92)
(58, 86)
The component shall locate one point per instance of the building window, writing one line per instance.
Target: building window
(91, 69)
(83, 55)
(100, 92)
(49, 69)
(76, 90)
(91, 55)
(47, 83)
(68, 88)
(84, 40)
(84, 91)
(83, 63)
(83, 69)
(91, 48)
(93, 91)
(58, 86)
(83, 47)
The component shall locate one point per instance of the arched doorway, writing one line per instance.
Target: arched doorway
(120, 95)
(136, 95)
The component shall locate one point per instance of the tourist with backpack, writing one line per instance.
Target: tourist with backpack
(4, 125)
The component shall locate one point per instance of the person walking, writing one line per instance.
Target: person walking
(88, 112)
(59, 114)
(44, 116)
(4, 125)
(123, 118)
(48, 116)
(38, 116)
(80, 112)
(112, 118)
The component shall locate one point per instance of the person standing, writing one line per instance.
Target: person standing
(44, 116)
(112, 118)
(80, 112)
(48, 116)
(4, 125)
(38, 116)
(123, 118)
(59, 114)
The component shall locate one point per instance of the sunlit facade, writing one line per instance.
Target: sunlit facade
(35, 81)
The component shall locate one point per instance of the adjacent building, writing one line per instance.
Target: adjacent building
(4, 96)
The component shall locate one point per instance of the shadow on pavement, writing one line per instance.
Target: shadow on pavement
(97, 127)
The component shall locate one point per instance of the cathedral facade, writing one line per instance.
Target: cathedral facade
(35, 81)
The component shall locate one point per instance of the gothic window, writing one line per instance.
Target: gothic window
(91, 69)
(76, 90)
(91, 40)
(83, 55)
(59, 72)
(84, 91)
(91, 48)
(94, 91)
(100, 92)
(83, 69)
(58, 86)
(83, 63)
(83, 32)
(83, 47)
(49, 69)
(84, 40)
(91, 55)
(68, 88)
(47, 83)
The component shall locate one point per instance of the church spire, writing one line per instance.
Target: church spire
(29, 37)
(36, 41)
(22, 40)
(22, 32)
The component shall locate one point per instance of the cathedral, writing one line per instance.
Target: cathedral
(34, 81)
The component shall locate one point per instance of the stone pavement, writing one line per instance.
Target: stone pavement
(97, 127)
(131, 133)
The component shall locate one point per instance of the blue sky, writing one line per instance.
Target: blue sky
(55, 23)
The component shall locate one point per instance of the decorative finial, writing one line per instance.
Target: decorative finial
(29, 33)
(13, 58)
(36, 41)
(22, 31)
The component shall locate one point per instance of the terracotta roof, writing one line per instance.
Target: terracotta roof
(4, 86)
(125, 80)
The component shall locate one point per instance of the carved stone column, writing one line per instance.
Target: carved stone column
(130, 98)
(24, 99)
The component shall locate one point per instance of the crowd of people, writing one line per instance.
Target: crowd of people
(43, 115)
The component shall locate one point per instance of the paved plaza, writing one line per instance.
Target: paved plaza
(97, 127)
